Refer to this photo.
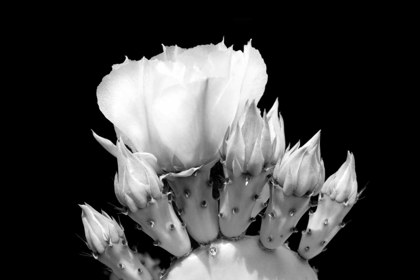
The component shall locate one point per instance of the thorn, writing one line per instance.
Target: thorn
(187, 193)
(343, 224)
(323, 250)
(138, 227)
(140, 271)
(235, 210)
(326, 222)
(151, 223)
(203, 204)
(247, 178)
(87, 244)
(271, 215)
(121, 266)
(292, 212)
(156, 243)
(120, 209)
(358, 196)
(252, 219)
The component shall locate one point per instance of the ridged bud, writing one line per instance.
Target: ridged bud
(254, 142)
(342, 185)
(100, 229)
(137, 183)
(301, 171)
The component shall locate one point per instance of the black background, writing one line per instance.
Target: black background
(328, 77)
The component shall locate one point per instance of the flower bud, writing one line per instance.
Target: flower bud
(137, 183)
(254, 142)
(276, 124)
(301, 171)
(342, 185)
(100, 229)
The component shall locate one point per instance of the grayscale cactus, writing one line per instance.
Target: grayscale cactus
(198, 159)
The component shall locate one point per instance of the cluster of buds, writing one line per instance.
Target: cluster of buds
(178, 114)
(105, 237)
(338, 195)
(296, 178)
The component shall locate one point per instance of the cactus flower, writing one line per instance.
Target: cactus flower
(137, 183)
(179, 104)
(342, 185)
(100, 230)
(254, 142)
(302, 170)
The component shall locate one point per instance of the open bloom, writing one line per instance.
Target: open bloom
(178, 105)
